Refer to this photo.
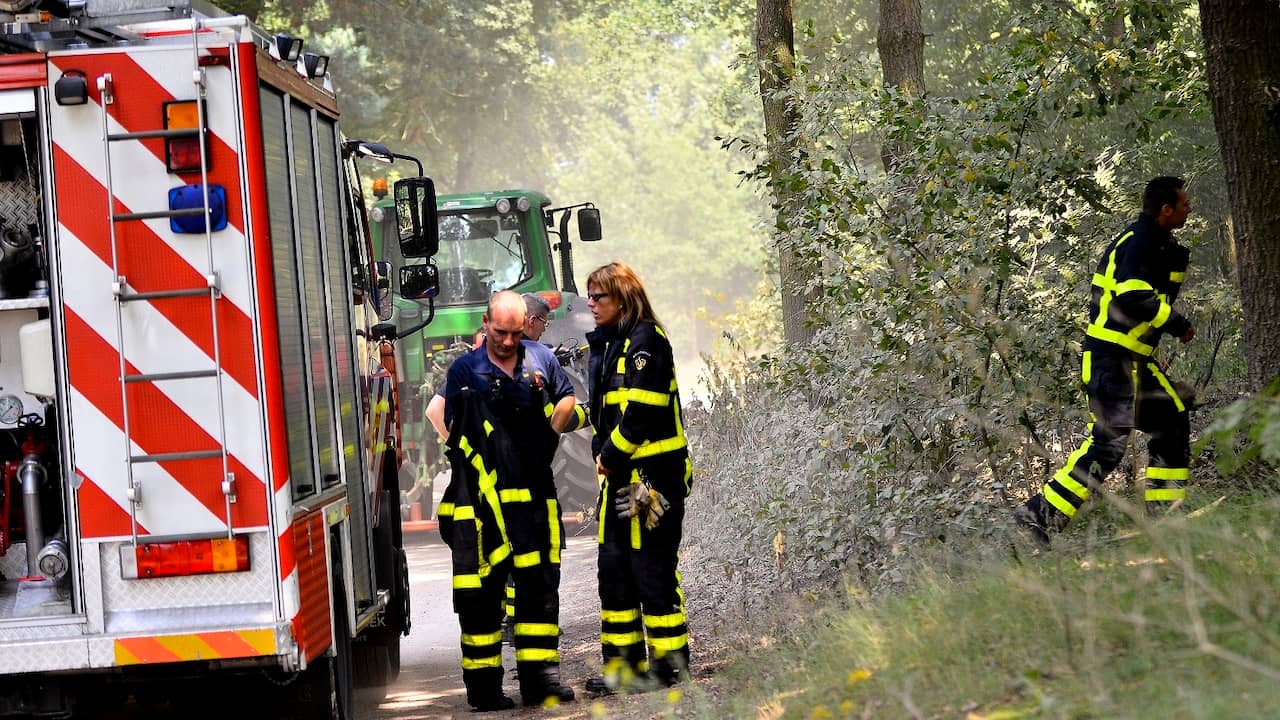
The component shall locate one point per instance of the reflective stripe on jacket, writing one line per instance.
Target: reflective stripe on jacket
(1134, 287)
(635, 402)
(489, 511)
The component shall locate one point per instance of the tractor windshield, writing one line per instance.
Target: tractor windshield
(481, 252)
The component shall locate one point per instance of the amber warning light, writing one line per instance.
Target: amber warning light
(182, 144)
(185, 557)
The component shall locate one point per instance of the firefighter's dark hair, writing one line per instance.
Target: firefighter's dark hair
(624, 286)
(1160, 191)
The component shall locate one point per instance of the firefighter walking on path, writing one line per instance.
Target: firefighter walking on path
(1131, 307)
(505, 402)
(641, 454)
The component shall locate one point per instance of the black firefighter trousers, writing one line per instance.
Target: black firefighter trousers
(1126, 393)
(536, 576)
(642, 619)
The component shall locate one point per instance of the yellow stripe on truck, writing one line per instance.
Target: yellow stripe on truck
(197, 646)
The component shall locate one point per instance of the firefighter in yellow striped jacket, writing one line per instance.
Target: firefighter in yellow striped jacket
(646, 475)
(504, 404)
(1131, 308)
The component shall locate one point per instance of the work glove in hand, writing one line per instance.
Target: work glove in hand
(657, 507)
(638, 498)
(631, 499)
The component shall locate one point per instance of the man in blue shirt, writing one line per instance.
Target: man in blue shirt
(505, 403)
(508, 364)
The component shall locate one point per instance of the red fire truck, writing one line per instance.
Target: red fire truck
(198, 424)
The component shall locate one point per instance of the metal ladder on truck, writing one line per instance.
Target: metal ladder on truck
(124, 295)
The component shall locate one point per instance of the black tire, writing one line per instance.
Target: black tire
(376, 661)
(391, 567)
(574, 470)
(399, 617)
(389, 509)
(326, 689)
(574, 467)
(377, 653)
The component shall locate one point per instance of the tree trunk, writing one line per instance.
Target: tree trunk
(900, 43)
(775, 54)
(1244, 85)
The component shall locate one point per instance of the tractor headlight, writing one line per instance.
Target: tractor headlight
(503, 206)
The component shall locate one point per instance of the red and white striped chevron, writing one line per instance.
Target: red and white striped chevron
(162, 335)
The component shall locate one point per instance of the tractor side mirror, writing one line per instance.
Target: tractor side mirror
(589, 224)
(419, 282)
(416, 217)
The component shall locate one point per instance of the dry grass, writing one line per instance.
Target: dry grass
(1176, 619)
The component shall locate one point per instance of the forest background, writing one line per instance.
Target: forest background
(618, 103)
(872, 240)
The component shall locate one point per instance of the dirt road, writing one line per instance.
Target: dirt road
(430, 683)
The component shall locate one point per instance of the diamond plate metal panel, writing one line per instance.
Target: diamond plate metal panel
(19, 204)
(36, 598)
(91, 587)
(253, 588)
(47, 655)
(14, 562)
(45, 629)
(188, 619)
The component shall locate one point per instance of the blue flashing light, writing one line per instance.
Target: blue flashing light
(191, 197)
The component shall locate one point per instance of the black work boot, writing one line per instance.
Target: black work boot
(1027, 520)
(619, 676)
(672, 668)
(540, 685)
(636, 684)
(484, 690)
(598, 686)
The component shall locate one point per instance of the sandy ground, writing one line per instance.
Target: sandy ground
(430, 683)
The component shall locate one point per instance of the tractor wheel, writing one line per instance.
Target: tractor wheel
(574, 467)
(574, 470)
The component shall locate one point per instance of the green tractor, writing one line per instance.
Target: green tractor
(489, 241)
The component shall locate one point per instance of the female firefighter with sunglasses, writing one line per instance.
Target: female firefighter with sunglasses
(643, 461)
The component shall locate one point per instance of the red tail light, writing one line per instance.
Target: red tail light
(182, 154)
(185, 557)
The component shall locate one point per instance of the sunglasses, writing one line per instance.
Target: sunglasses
(597, 297)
